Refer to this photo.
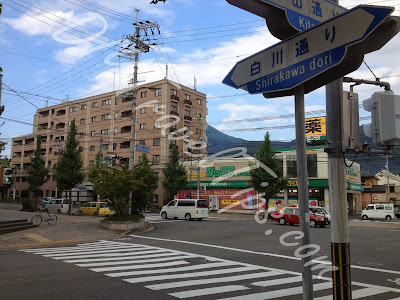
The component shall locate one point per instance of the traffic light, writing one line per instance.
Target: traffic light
(1, 5)
(385, 117)
(5, 175)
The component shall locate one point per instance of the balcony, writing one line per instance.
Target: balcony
(29, 141)
(61, 112)
(125, 129)
(44, 114)
(174, 98)
(188, 102)
(188, 118)
(125, 145)
(60, 126)
(175, 113)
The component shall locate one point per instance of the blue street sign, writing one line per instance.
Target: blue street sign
(308, 55)
(286, 18)
(143, 148)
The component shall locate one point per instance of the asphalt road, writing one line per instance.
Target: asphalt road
(169, 262)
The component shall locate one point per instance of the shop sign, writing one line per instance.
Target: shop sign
(226, 171)
(295, 183)
(315, 129)
(230, 202)
(226, 184)
(355, 187)
(378, 197)
(351, 174)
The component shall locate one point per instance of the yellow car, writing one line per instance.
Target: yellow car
(90, 209)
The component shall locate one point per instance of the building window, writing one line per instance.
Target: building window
(174, 92)
(106, 147)
(156, 142)
(143, 110)
(93, 133)
(80, 149)
(92, 148)
(174, 126)
(116, 101)
(106, 117)
(291, 166)
(158, 92)
(156, 159)
(198, 101)
(114, 146)
(143, 94)
(156, 108)
(142, 142)
(142, 126)
(140, 159)
(94, 104)
(93, 119)
(69, 123)
(312, 163)
(187, 97)
(106, 102)
(83, 107)
(81, 135)
(91, 163)
(157, 124)
(105, 131)
(187, 113)
(82, 121)
(72, 109)
(186, 128)
(174, 108)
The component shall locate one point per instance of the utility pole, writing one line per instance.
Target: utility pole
(340, 245)
(387, 177)
(141, 45)
(100, 166)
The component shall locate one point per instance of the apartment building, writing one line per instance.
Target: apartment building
(167, 115)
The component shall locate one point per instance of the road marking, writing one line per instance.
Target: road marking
(102, 259)
(220, 273)
(262, 253)
(170, 270)
(134, 261)
(188, 275)
(44, 243)
(209, 291)
(278, 281)
(92, 251)
(79, 246)
(135, 267)
(280, 293)
(37, 237)
(105, 254)
(171, 285)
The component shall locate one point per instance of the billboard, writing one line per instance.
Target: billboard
(316, 130)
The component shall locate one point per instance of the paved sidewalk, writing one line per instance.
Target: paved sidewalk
(68, 229)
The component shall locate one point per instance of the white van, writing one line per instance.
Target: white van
(378, 211)
(185, 208)
(57, 206)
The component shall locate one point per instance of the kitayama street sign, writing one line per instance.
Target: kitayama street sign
(300, 14)
(143, 148)
(288, 17)
(316, 56)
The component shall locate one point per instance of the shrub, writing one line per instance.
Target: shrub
(28, 205)
(125, 217)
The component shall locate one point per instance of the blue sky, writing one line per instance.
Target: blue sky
(199, 38)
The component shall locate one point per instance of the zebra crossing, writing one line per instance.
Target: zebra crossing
(186, 275)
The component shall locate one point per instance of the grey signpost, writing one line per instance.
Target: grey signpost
(302, 63)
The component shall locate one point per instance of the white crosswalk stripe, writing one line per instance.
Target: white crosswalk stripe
(187, 275)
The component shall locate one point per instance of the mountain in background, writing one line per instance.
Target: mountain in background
(372, 164)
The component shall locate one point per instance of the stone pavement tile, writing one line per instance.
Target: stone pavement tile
(67, 229)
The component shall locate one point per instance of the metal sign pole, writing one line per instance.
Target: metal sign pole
(302, 178)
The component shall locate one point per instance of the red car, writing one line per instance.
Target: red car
(291, 215)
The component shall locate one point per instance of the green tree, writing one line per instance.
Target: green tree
(175, 175)
(37, 172)
(115, 184)
(142, 197)
(94, 170)
(262, 174)
(68, 171)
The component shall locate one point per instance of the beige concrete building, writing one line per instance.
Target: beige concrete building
(167, 115)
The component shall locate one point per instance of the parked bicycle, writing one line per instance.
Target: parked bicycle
(51, 219)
